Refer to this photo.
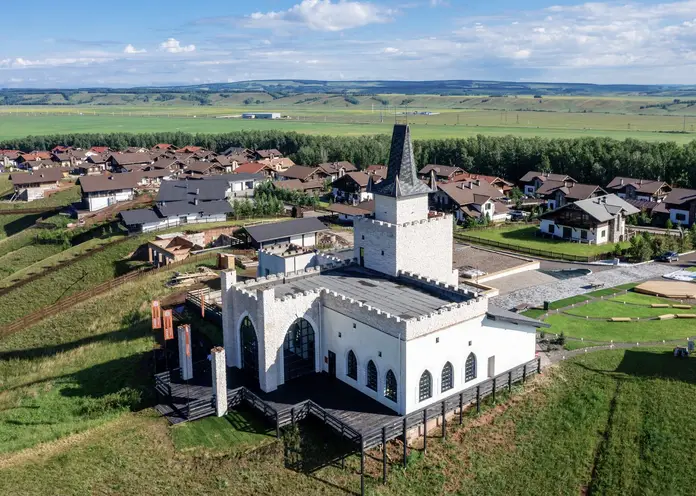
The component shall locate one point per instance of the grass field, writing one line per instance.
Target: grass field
(603, 423)
(60, 198)
(525, 238)
(348, 122)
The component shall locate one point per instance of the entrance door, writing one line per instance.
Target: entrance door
(491, 366)
(332, 364)
(567, 232)
(362, 257)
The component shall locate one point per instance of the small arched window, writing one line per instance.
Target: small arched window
(371, 375)
(470, 368)
(425, 387)
(352, 366)
(447, 377)
(390, 386)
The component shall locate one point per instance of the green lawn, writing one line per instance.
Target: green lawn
(524, 238)
(59, 199)
(13, 224)
(26, 256)
(643, 299)
(610, 422)
(554, 305)
(607, 309)
(236, 431)
(78, 369)
(629, 332)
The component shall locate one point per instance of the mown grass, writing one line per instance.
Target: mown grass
(626, 332)
(608, 309)
(78, 369)
(26, 256)
(12, 224)
(60, 198)
(643, 299)
(611, 422)
(526, 237)
(236, 431)
(572, 300)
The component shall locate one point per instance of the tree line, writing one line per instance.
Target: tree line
(588, 160)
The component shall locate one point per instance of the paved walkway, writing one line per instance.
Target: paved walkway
(557, 289)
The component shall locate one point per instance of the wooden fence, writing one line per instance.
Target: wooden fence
(72, 300)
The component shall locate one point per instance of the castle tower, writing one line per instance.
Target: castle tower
(402, 236)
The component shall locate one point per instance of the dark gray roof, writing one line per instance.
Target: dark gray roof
(139, 216)
(267, 232)
(402, 179)
(175, 208)
(187, 190)
(394, 296)
(497, 313)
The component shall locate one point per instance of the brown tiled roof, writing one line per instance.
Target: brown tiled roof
(46, 175)
(544, 176)
(109, 182)
(577, 191)
(363, 208)
(268, 153)
(297, 185)
(360, 178)
(641, 185)
(335, 167)
(468, 192)
(299, 172)
(441, 170)
(680, 196)
(251, 168)
(131, 158)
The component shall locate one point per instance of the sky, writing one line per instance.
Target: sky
(83, 43)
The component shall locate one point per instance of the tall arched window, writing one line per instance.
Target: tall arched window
(470, 368)
(298, 349)
(447, 377)
(250, 350)
(390, 386)
(352, 366)
(425, 387)
(372, 375)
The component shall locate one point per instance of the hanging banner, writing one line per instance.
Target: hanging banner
(168, 325)
(202, 305)
(156, 315)
(187, 330)
(185, 360)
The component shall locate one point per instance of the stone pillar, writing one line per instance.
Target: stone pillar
(149, 254)
(219, 380)
(228, 278)
(185, 352)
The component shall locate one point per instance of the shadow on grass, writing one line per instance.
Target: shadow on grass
(651, 364)
(20, 224)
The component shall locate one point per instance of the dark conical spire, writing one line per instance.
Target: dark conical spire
(402, 179)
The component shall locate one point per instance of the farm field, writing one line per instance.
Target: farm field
(348, 122)
(621, 415)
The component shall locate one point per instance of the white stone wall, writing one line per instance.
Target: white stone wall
(399, 211)
(510, 344)
(425, 248)
(367, 343)
(270, 263)
(378, 242)
(105, 200)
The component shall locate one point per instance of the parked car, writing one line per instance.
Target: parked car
(669, 256)
(517, 215)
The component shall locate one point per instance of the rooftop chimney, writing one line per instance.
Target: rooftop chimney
(195, 201)
(622, 181)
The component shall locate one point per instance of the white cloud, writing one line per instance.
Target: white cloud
(391, 50)
(131, 49)
(324, 15)
(174, 46)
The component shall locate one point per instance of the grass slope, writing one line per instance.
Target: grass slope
(607, 423)
(60, 198)
(525, 237)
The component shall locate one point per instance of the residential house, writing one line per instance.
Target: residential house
(100, 160)
(240, 152)
(349, 213)
(334, 170)
(239, 184)
(471, 199)
(162, 147)
(230, 163)
(106, 189)
(86, 169)
(297, 232)
(135, 149)
(123, 162)
(679, 206)
(35, 156)
(314, 186)
(204, 169)
(352, 187)
(267, 154)
(532, 181)
(29, 186)
(442, 172)
(630, 188)
(182, 202)
(255, 168)
(98, 150)
(278, 164)
(596, 220)
(558, 193)
(303, 173)
(189, 149)
(8, 158)
(497, 182)
(171, 248)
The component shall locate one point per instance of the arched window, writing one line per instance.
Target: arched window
(352, 366)
(390, 386)
(425, 388)
(372, 375)
(298, 349)
(447, 377)
(470, 368)
(250, 350)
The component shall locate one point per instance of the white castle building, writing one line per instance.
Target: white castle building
(392, 322)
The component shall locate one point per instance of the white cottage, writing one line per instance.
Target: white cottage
(392, 322)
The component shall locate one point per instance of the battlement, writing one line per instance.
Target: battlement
(429, 219)
(364, 306)
(437, 286)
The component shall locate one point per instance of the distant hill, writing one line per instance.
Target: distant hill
(248, 92)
